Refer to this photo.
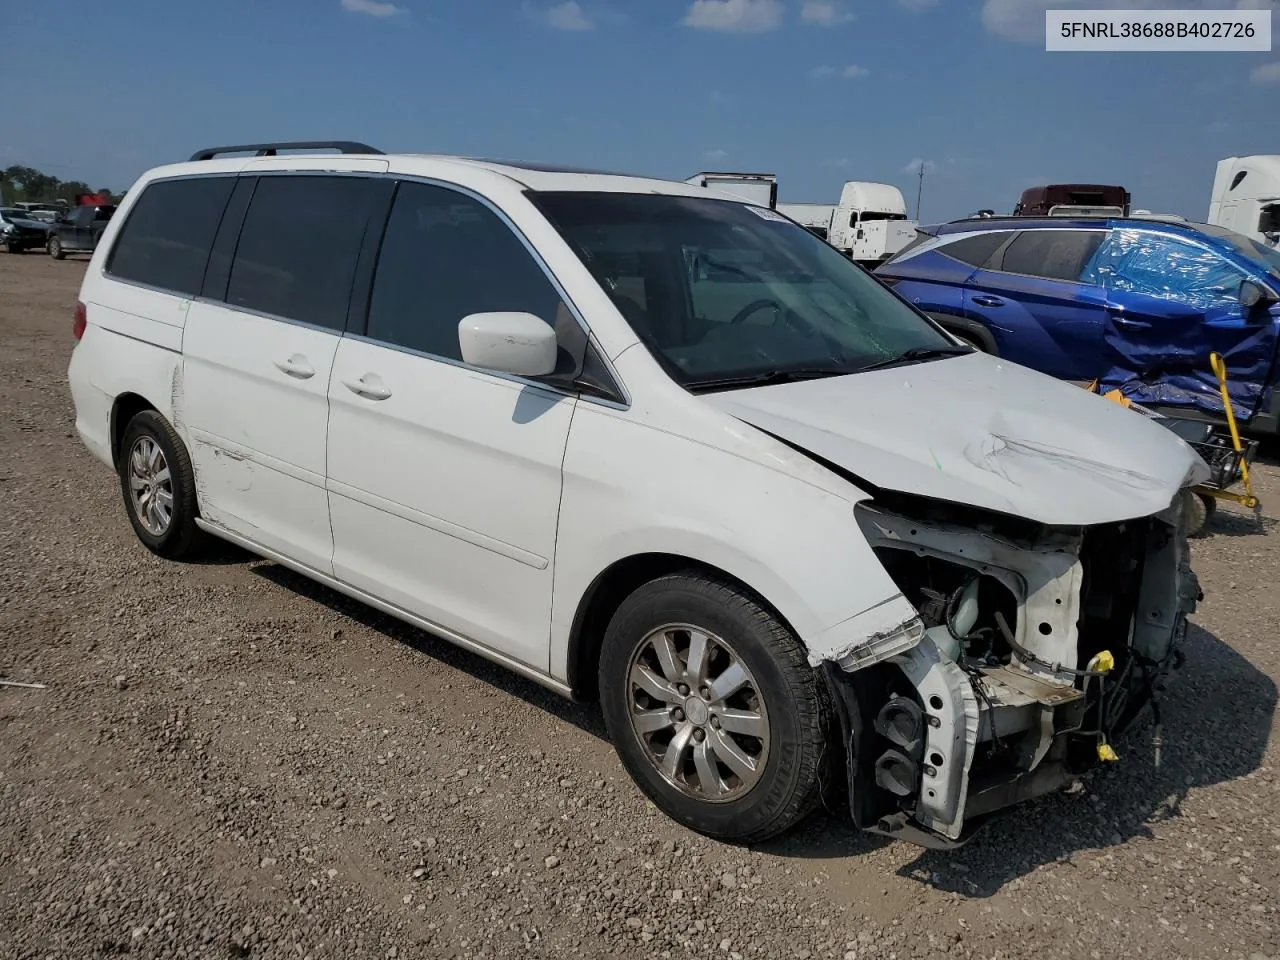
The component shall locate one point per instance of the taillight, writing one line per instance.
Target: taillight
(81, 321)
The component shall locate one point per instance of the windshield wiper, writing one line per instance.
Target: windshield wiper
(768, 377)
(916, 355)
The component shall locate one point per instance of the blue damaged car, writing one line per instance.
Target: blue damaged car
(1138, 303)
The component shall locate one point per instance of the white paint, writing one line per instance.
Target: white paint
(981, 431)
(518, 343)
(484, 506)
(1242, 209)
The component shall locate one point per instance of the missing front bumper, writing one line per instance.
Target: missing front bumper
(946, 732)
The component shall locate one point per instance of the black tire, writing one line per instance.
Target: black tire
(1198, 509)
(789, 784)
(55, 250)
(181, 538)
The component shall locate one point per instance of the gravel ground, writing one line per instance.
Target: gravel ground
(229, 761)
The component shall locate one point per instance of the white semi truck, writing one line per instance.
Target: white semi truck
(758, 188)
(869, 224)
(1246, 197)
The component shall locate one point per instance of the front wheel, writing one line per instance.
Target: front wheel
(713, 708)
(55, 249)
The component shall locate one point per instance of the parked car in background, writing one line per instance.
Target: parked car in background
(1138, 302)
(79, 230)
(19, 233)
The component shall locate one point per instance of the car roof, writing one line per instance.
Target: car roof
(532, 176)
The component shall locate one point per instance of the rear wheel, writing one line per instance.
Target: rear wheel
(713, 708)
(158, 486)
(55, 249)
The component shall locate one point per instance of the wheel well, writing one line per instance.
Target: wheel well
(606, 593)
(969, 328)
(126, 407)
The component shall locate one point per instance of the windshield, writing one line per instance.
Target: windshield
(721, 291)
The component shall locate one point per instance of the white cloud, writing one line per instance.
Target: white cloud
(735, 16)
(851, 72)
(1023, 20)
(715, 156)
(565, 16)
(824, 13)
(374, 8)
(1266, 73)
(916, 163)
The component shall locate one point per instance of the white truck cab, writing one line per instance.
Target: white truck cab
(1246, 197)
(869, 224)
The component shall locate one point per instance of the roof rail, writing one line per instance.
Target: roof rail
(270, 149)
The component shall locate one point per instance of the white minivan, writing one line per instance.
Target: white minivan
(650, 446)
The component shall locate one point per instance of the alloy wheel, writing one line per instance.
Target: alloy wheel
(698, 712)
(150, 486)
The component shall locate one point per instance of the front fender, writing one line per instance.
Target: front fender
(631, 489)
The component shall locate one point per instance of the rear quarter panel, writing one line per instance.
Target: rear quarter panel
(930, 281)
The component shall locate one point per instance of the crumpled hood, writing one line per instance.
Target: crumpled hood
(980, 431)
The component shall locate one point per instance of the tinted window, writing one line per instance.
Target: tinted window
(976, 250)
(103, 214)
(298, 247)
(166, 237)
(1053, 254)
(444, 256)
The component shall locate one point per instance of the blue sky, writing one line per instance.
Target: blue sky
(817, 91)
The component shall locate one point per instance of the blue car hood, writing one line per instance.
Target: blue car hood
(980, 431)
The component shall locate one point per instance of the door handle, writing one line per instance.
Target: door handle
(1129, 324)
(988, 301)
(296, 366)
(370, 385)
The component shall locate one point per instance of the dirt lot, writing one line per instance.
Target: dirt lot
(230, 762)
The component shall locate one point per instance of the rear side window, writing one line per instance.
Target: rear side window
(298, 247)
(1052, 254)
(976, 250)
(446, 255)
(166, 238)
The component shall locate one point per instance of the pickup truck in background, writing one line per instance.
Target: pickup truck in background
(79, 230)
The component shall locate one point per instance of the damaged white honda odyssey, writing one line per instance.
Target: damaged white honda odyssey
(650, 446)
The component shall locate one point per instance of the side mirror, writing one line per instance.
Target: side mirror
(1252, 293)
(516, 343)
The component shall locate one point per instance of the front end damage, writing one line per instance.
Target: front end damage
(1034, 648)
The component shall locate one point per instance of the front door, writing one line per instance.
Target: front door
(256, 367)
(1171, 302)
(444, 480)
